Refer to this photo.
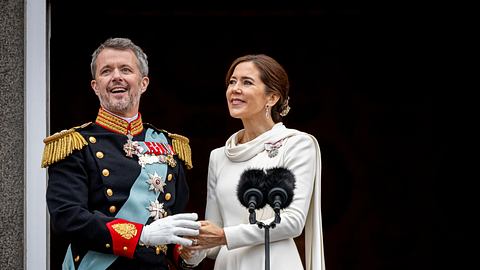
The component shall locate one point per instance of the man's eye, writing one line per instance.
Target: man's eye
(105, 72)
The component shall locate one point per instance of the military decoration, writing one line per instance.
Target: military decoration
(130, 147)
(170, 161)
(150, 152)
(156, 210)
(156, 183)
(150, 159)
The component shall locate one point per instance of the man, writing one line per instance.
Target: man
(117, 186)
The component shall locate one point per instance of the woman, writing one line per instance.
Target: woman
(257, 93)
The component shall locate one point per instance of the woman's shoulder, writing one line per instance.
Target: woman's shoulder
(301, 139)
(299, 135)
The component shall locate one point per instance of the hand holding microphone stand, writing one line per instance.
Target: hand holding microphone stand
(278, 185)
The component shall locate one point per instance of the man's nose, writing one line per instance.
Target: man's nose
(117, 75)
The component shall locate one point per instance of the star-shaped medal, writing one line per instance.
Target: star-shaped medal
(156, 182)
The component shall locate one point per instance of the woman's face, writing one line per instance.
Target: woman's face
(246, 96)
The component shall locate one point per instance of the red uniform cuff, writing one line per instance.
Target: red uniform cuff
(176, 253)
(125, 236)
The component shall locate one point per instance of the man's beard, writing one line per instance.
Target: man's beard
(120, 106)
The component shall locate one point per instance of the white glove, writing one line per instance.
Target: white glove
(168, 230)
(196, 256)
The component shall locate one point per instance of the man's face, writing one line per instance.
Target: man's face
(118, 82)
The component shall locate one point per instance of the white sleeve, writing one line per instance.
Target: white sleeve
(212, 211)
(300, 158)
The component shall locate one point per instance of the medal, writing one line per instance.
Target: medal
(156, 182)
(156, 210)
(129, 146)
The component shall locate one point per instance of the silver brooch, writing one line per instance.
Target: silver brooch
(272, 148)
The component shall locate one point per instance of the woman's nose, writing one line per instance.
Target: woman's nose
(236, 88)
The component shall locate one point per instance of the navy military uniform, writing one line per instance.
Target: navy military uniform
(91, 172)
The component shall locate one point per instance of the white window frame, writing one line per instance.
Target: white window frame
(36, 113)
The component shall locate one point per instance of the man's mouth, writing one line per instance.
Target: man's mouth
(116, 90)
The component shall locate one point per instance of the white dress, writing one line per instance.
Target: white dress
(245, 250)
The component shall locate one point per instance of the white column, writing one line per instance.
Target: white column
(36, 93)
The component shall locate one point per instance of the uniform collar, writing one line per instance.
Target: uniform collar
(118, 125)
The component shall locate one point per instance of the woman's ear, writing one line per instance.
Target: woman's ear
(273, 99)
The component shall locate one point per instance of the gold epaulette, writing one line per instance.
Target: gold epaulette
(61, 144)
(182, 148)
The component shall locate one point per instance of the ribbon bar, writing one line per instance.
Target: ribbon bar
(156, 148)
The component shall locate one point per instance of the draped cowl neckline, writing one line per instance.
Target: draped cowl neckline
(242, 152)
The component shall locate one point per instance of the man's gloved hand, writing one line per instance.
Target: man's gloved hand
(169, 230)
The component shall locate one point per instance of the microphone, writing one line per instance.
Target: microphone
(281, 183)
(251, 190)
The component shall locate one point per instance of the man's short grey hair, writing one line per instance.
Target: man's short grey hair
(121, 44)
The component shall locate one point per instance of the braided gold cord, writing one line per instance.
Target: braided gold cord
(182, 148)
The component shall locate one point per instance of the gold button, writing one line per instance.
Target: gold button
(105, 172)
(112, 209)
(77, 258)
(125, 248)
(92, 139)
(99, 154)
(168, 196)
(109, 192)
(169, 177)
(107, 245)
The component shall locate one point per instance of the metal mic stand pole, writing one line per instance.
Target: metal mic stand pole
(267, 236)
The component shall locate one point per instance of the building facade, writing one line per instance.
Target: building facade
(23, 85)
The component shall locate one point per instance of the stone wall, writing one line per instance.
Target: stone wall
(12, 133)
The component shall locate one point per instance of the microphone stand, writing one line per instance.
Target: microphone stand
(267, 227)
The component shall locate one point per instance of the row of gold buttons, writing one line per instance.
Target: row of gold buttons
(105, 172)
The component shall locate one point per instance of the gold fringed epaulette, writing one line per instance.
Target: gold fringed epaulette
(182, 148)
(61, 144)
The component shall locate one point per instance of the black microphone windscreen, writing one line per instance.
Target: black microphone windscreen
(251, 179)
(281, 178)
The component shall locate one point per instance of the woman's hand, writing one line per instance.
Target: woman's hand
(210, 236)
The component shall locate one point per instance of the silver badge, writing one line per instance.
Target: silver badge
(156, 182)
(156, 210)
(128, 146)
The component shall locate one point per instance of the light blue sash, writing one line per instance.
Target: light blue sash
(133, 210)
